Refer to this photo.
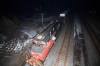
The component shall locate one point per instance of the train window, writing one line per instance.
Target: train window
(40, 37)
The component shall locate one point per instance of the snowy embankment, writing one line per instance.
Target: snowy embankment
(22, 38)
(79, 44)
(14, 45)
(77, 27)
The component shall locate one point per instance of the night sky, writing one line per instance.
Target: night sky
(22, 7)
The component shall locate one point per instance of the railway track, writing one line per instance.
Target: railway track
(59, 52)
(63, 52)
(93, 37)
(86, 52)
(92, 46)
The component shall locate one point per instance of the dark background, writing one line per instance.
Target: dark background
(24, 7)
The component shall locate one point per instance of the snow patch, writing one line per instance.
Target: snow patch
(30, 32)
(77, 27)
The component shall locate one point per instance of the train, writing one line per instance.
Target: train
(42, 43)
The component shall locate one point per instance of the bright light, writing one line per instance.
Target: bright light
(62, 15)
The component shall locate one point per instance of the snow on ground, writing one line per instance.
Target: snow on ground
(30, 32)
(77, 26)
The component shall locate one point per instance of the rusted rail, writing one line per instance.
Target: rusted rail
(63, 52)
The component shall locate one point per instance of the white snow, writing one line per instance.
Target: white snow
(77, 26)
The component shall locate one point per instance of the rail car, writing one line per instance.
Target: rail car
(42, 44)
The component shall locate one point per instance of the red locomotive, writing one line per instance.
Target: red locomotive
(42, 44)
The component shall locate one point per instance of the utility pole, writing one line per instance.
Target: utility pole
(42, 20)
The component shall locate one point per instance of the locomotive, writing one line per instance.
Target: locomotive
(42, 43)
